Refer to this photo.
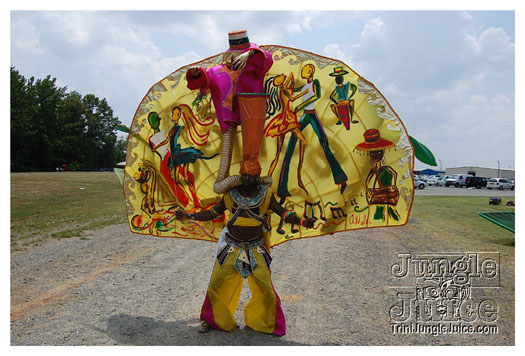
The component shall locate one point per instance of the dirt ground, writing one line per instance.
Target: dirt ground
(113, 287)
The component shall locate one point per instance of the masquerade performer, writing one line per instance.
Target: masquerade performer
(244, 252)
(237, 90)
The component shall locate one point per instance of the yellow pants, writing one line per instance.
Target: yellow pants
(263, 310)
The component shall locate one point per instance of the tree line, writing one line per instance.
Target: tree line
(53, 128)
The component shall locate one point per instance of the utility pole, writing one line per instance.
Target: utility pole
(498, 169)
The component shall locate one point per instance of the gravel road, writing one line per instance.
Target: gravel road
(112, 287)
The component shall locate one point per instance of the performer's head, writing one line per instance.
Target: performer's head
(249, 180)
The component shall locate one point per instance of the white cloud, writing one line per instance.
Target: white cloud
(73, 27)
(373, 28)
(494, 46)
(334, 51)
(300, 21)
(24, 36)
(466, 16)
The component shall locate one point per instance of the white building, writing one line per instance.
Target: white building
(483, 172)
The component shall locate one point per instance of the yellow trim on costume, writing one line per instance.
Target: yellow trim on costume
(243, 221)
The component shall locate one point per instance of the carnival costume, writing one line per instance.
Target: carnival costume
(238, 260)
(375, 176)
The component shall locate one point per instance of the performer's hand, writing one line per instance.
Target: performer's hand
(195, 71)
(181, 214)
(240, 61)
(308, 223)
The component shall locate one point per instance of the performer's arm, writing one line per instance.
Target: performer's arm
(289, 216)
(205, 215)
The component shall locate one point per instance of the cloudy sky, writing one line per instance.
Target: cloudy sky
(448, 74)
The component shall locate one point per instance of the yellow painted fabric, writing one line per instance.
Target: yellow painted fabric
(262, 312)
(313, 152)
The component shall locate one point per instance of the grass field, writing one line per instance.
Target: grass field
(458, 218)
(63, 204)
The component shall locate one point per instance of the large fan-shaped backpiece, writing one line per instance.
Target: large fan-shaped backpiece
(333, 146)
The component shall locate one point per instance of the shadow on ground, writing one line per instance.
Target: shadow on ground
(141, 331)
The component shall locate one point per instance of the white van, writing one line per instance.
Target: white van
(457, 180)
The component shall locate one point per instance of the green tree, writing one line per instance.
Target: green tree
(120, 150)
(48, 99)
(50, 127)
(69, 145)
(23, 130)
(100, 136)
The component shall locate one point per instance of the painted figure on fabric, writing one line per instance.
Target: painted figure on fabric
(343, 106)
(158, 135)
(381, 188)
(147, 178)
(312, 93)
(286, 120)
(244, 253)
(175, 164)
(238, 96)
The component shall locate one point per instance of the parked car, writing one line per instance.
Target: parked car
(478, 182)
(436, 180)
(418, 183)
(440, 181)
(457, 180)
(500, 183)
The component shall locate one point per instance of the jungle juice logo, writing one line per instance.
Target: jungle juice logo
(437, 292)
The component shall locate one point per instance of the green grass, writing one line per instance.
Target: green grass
(62, 205)
(458, 218)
